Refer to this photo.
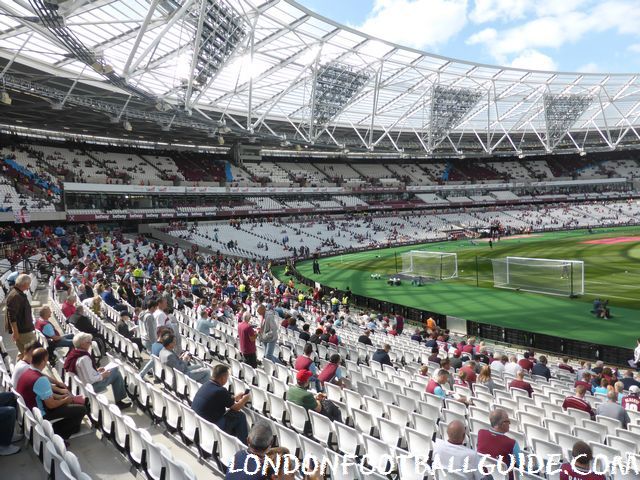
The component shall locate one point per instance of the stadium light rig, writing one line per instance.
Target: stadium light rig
(335, 86)
(449, 105)
(561, 111)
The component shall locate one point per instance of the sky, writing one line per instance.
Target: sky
(566, 35)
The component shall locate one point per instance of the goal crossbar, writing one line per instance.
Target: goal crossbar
(434, 265)
(539, 275)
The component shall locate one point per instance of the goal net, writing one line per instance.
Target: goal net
(539, 275)
(435, 265)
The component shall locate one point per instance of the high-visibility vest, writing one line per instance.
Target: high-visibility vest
(334, 301)
(345, 300)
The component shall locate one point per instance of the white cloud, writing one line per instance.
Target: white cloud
(493, 10)
(635, 48)
(531, 59)
(487, 35)
(416, 23)
(591, 67)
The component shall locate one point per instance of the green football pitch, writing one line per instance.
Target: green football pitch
(612, 271)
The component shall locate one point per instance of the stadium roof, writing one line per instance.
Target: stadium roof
(276, 69)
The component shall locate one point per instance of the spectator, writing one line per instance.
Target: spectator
(632, 401)
(268, 333)
(526, 363)
(495, 443)
(512, 368)
(83, 323)
(18, 318)
(498, 367)
(434, 358)
(485, 378)
(416, 337)
(204, 324)
(156, 348)
(382, 355)
(585, 382)
(304, 334)
(24, 364)
(148, 323)
(456, 360)
(580, 466)
(54, 337)
(520, 383)
(250, 459)
(541, 369)
(603, 388)
(305, 361)
(8, 411)
(68, 307)
(108, 298)
(332, 372)
(300, 395)
(636, 356)
(628, 381)
(122, 327)
(247, 340)
(436, 386)
(612, 409)
(470, 370)
(365, 338)
(169, 358)
(36, 390)
(315, 338)
(215, 404)
(578, 402)
(564, 365)
(80, 363)
(482, 356)
(453, 454)
(160, 316)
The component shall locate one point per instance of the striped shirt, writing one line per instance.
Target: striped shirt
(578, 403)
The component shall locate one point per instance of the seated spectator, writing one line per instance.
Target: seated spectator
(541, 369)
(8, 414)
(495, 443)
(578, 402)
(564, 365)
(603, 388)
(453, 454)
(305, 361)
(497, 368)
(92, 304)
(436, 385)
(204, 323)
(526, 363)
(332, 372)
(612, 409)
(108, 298)
(520, 383)
(156, 348)
(365, 338)
(23, 364)
(181, 363)
(36, 390)
(484, 378)
(628, 380)
(470, 369)
(250, 459)
(79, 362)
(215, 404)
(122, 327)
(512, 368)
(461, 380)
(619, 389)
(382, 355)
(585, 382)
(300, 395)
(434, 357)
(580, 465)
(54, 337)
(632, 400)
(456, 360)
(315, 338)
(83, 323)
(417, 336)
(304, 334)
(482, 356)
(68, 307)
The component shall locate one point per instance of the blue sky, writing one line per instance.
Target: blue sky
(567, 35)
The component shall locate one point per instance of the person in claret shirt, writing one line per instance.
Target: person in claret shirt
(564, 365)
(520, 383)
(578, 402)
(525, 363)
(580, 467)
(586, 382)
(632, 401)
(494, 441)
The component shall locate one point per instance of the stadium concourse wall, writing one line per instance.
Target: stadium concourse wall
(510, 336)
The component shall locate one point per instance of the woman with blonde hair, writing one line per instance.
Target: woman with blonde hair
(484, 378)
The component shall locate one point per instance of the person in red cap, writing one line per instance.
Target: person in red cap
(300, 395)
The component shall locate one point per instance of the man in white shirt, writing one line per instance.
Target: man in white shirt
(636, 356)
(512, 368)
(160, 315)
(24, 363)
(497, 367)
(453, 454)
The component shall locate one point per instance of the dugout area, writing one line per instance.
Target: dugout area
(612, 271)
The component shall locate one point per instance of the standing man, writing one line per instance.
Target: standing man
(19, 319)
(269, 335)
(247, 337)
(636, 356)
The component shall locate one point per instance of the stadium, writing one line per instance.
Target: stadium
(234, 232)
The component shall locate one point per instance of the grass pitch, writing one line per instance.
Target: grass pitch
(612, 271)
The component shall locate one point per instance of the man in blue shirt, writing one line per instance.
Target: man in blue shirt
(247, 463)
(540, 368)
(382, 355)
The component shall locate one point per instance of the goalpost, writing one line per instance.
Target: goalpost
(435, 265)
(539, 275)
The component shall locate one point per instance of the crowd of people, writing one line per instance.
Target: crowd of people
(147, 283)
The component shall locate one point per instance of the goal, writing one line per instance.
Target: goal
(435, 265)
(539, 275)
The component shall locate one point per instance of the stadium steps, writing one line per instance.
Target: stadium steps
(154, 166)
